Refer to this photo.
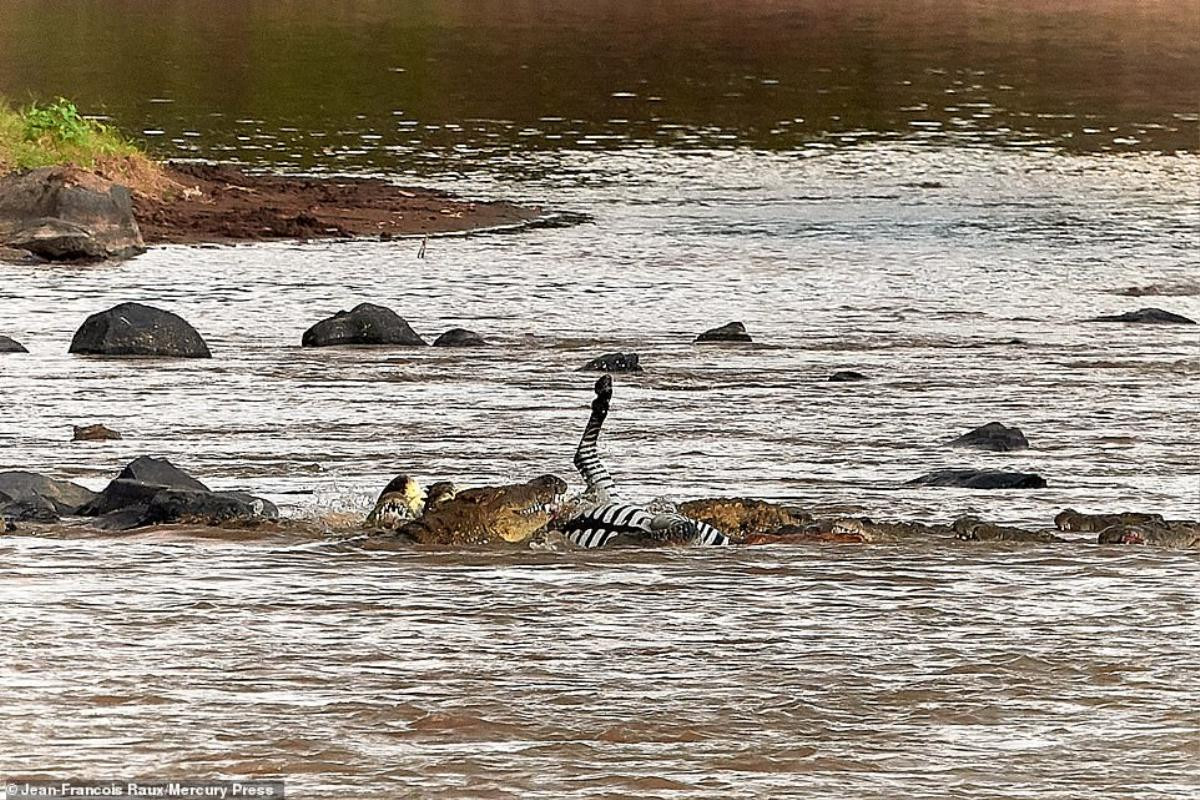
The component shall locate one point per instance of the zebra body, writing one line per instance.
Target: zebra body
(599, 518)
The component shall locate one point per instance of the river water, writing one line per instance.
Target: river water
(935, 198)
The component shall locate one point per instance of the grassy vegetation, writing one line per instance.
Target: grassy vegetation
(56, 133)
(41, 135)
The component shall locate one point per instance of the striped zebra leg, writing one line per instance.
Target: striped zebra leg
(587, 457)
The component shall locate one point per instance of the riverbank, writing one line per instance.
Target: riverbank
(221, 203)
(58, 171)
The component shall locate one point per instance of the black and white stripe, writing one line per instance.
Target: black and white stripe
(606, 520)
(587, 456)
(595, 528)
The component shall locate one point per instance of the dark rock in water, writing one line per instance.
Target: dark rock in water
(211, 508)
(38, 509)
(93, 433)
(64, 497)
(9, 526)
(141, 479)
(8, 345)
(165, 506)
(459, 337)
(731, 332)
(1148, 316)
(993, 436)
(846, 376)
(133, 329)
(121, 494)
(980, 479)
(148, 469)
(151, 491)
(67, 214)
(1071, 520)
(366, 323)
(613, 362)
(976, 530)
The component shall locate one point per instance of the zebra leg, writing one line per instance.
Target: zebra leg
(587, 457)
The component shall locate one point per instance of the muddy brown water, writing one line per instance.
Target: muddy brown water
(933, 196)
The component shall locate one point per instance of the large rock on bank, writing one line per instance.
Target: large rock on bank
(980, 479)
(67, 214)
(366, 323)
(152, 491)
(132, 329)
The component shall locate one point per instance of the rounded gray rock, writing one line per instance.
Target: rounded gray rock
(729, 332)
(133, 329)
(459, 337)
(366, 323)
(993, 436)
(613, 362)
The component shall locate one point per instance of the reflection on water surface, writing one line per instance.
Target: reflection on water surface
(934, 194)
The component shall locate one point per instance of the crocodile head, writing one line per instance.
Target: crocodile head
(401, 501)
(490, 514)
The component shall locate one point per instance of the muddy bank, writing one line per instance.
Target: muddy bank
(220, 203)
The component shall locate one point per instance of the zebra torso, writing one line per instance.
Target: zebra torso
(599, 526)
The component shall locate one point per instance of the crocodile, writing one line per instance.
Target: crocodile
(1175, 535)
(487, 515)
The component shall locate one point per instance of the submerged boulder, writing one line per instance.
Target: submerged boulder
(8, 345)
(993, 436)
(67, 214)
(729, 332)
(151, 491)
(93, 433)
(36, 510)
(847, 376)
(210, 508)
(133, 329)
(1147, 316)
(64, 498)
(980, 479)
(613, 362)
(140, 480)
(366, 323)
(459, 337)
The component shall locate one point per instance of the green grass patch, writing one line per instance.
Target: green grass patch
(56, 133)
